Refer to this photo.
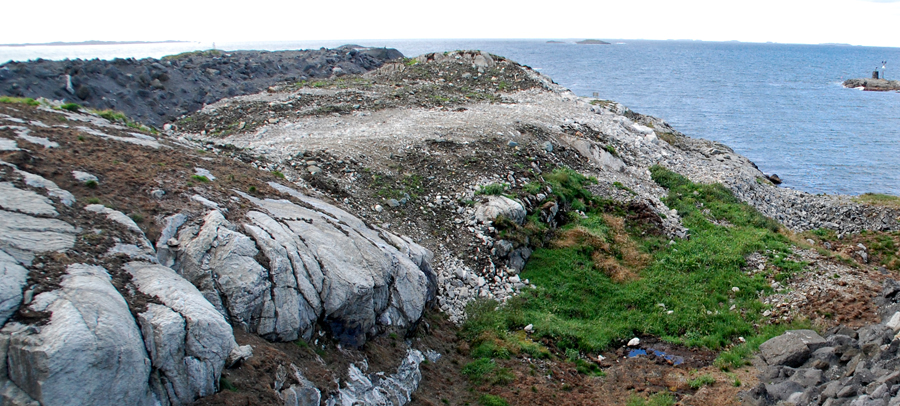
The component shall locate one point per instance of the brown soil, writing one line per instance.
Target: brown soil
(557, 382)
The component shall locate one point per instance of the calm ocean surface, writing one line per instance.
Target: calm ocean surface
(782, 106)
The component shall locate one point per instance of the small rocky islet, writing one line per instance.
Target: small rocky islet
(873, 85)
(317, 237)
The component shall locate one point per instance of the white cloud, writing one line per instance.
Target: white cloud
(794, 21)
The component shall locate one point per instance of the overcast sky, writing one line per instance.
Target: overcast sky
(858, 22)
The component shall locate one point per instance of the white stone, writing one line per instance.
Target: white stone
(83, 177)
(634, 342)
(894, 322)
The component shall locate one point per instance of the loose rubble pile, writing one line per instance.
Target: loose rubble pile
(845, 367)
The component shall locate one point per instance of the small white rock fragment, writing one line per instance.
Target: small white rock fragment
(634, 342)
(204, 172)
(735, 289)
(529, 328)
(84, 177)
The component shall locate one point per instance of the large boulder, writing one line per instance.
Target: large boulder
(90, 352)
(492, 207)
(792, 348)
(188, 340)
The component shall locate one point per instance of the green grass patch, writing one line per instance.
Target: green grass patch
(701, 381)
(495, 189)
(226, 385)
(492, 400)
(71, 107)
(113, 115)
(878, 199)
(659, 399)
(479, 369)
(19, 100)
(185, 55)
(611, 149)
(681, 293)
(200, 178)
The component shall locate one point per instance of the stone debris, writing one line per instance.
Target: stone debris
(845, 367)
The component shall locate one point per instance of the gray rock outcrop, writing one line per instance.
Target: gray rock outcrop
(88, 342)
(91, 333)
(378, 389)
(296, 265)
(187, 339)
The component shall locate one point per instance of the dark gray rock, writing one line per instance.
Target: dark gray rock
(784, 390)
(115, 84)
(786, 349)
(877, 334)
(807, 377)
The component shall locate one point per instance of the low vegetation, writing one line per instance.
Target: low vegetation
(691, 292)
(879, 199)
(185, 55)
(19, 100)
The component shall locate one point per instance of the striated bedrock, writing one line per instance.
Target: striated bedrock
(85, 294)
(292, 266)
(878, 85)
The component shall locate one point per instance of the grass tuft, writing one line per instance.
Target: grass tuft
(701, 381)
(492, 400)
(71, 107)
(495, 189)
(19, 100)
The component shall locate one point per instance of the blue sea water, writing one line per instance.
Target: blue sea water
(780, 105)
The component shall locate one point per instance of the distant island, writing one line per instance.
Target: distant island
(592, 42)
(555, 42)
(60, 43)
